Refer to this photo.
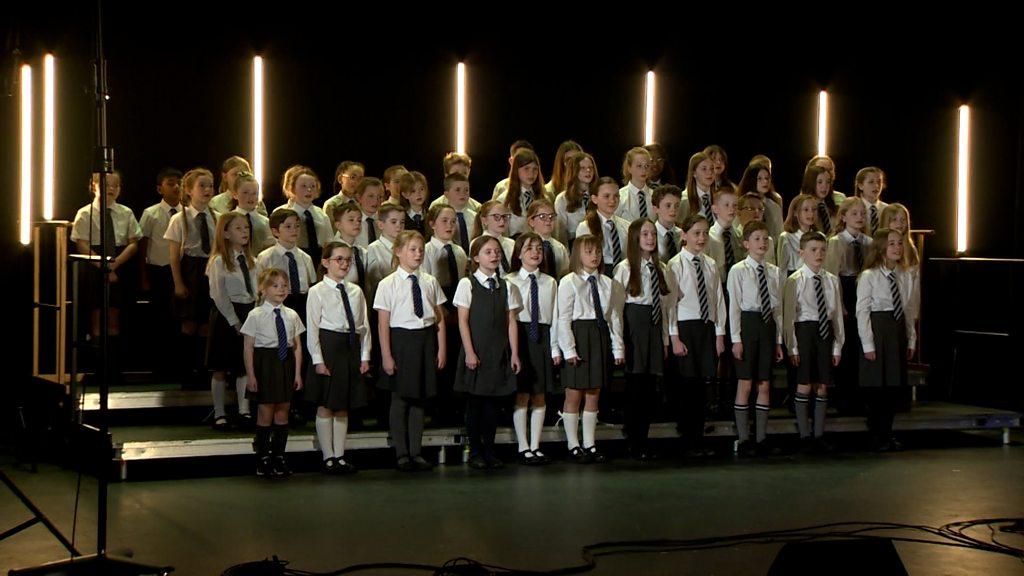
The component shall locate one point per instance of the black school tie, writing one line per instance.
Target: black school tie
(348, 314)
(243, 265)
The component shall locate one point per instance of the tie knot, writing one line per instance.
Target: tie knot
(289, 255)
(760, 269)
(414, 279)
(492, 283)
(611, 224)
(650, 266)
(448, 248)
(277, 311)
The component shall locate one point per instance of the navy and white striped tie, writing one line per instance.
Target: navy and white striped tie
(824, 328)
(702, 289)
(282, 335)
(641, 203)
(533, 328)
(766, 299)
(897, 302)
(652, 275)
(613, 236)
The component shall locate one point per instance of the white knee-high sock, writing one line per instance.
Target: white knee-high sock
(589, 428)
(572, 424)
(217, 390)
(243, 403)
(340, 434)
(519, 422)
(324, 435)
(536, 426)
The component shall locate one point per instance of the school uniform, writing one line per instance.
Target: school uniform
(415, 221)
(123, 230)
(154, 223)
(595, 338)
(465, 227)
(297, 265)
(379, 257)
(517, 222)
(234, 295)
(446, 262)
(195, 250)
(508, 246)
(615, 234)
(635, 203)
(725, 247)
(568, 221)
(489, 299)
(704, 202)
(755, 315)
(500, 188)
(806, 334)
(670, 240)
(825, 216)
(788, 254)
(471, 203)
(556, 257)
(221, 204)
(368, 233)
(844, 257)
(873, 215)
(275, 376)
(357, 270)
(770, 254)
(773, 217)
(339, 338)
(538, 330)
(332, 204)
(260, 236)
(315, 229)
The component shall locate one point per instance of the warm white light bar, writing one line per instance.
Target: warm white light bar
(460, 108)
(963, 177)
(257, 121)
(649, 110)
(25, 224)
(49, 134)
(823, 123)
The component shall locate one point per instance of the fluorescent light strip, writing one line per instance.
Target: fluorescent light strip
(257, 121)
(460, 108)
(963, 178)
(25, 224)
(649, 109)
(49, 134)
(823, 123)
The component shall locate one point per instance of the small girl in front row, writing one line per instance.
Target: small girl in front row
(755, 313)
(489, 359)
(540, 218)
(273, 365)
(887, 335)
(590, 336)
(232, 276)
(646, 314)
(339, 348)
(493, 220)
(413, 346)
(844, 257)
(538, 343)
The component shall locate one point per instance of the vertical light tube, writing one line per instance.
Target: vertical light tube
(963, 177)
(823, 123)
(649, 109)
(49, 134)
(460, 108)
(257, 121)
(25, 223)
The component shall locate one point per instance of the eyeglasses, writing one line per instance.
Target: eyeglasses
(500, 217)
(752, 209)
(341, 259)
(547, 217)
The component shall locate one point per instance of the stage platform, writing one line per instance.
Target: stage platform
(162, 442)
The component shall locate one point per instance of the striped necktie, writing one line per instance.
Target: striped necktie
(730, 255)
(652, 276)
(282, 335)
(613, 237)
(533, 328)
(670, 242)
(824, 328)
(766, 299)
(641, 199)
(826, 220)
(873, 215)
(897, 302)
(702, 288)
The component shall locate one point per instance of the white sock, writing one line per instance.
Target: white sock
(323, 436)
(536, 426)
(519, 421)
(340, 434)
(217, 389)
(589, 426)
(572, 423)
(243, 403)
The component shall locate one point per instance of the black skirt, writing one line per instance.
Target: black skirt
(758, 347)
(224, 347)
(701, 360)
(415, 355)
(815, 354)
(645, 348)
(196, 306)
(343, 389)
(890, 365)
(594, 349)
(537, 375)
(275, 378)
(90, 287)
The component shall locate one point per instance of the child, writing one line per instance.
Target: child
(393, 182)
(887, 335)
(572, 203)
(896, 217)
(413, 346)
(347, 177)
(814, 334)
(379, 255)
(610, 229)
(368, 195)
(232, 276)
(190, 234)
(721, 166)
(244, 198)
(635, 196)
(538, 342)
(302, 187)
(492, 220)
(818, 183)
(348, 224)
(665, 200)
(489, 359)
(456, 195)
(751, 209)
(757, 180)
(273, 366)
(339, 348)
(540, 219)
(645, 319)
(755, 313)
(826, 163)
(285, 255)
(697, 332)
(456, 164)
(799, 221)
(725, 241)
(567, 150)
(229, 170)
(414, 197)
(154, 255)
(661, 171)
(502, 186)
(525, 186)
(868, 186)
(700, 181)
(590, 336)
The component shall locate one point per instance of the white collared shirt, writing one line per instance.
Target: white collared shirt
(716, 246)
(687, 307)
(629, 202)
(517, 224)
(193, 244)
(500, 188)
(274, 257)
(227, 286)
(464, 293)
(646, 297)
(666, 252)
(575, 302)
(153, 224)
(547, 302)
(789, 259)
(379, 256)
(878, 206)
(435, 261)
(568, 222)
(471, 203)
(875, 295)
(839, 256)
(260, 236)
(86, 227)
(369, 220)
(561, 255)
(621, 226)
(353, 270)
(324, 229)
(332, 203)
(261, 324)
(745, 295)
(800, 304)
(325, 309)
(684, 204)
(394, 294)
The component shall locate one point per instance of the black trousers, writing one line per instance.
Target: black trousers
(641, 402)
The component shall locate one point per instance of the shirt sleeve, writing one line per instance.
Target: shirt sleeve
(838, 331)
(556, 351)
(463, 294)
(735, 286)
(366, 336)
(566, 300)
(384, 299)
(863, 310)
(80, 229)
(174, 230)
(218, 275)
(314, 308)
(515, 300)
(618, 301)
(251, 324)
(789, 297)
(147, 223)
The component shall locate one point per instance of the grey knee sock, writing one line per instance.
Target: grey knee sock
(415, 429)
(762, 422)
(742, 421)
(801, 415)
(820, 404)
(399, 431)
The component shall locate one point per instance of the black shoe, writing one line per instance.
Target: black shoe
(822, 446)
(344, 467)
(493, 462)
(221, 424)
(895, 445)
(528, 458)
(595, 456)
(245, 422)
(420, 464)
(263, 467)
(541, 457)
(477, 462)
(280, 468)
(746, 449)
(329, 466)
(405, 464)
(579, 456)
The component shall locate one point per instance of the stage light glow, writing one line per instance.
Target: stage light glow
(257, 121)
(823, 123)
(649, 109)
(25, 224)
(49, 134)
(963, 178)
(460, 108)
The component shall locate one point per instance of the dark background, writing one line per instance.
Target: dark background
(377, 85)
